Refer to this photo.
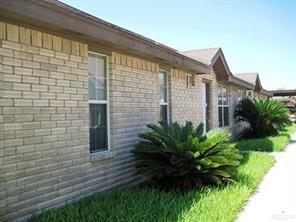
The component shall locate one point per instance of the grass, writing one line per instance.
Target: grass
(268, 144)
(149, 204)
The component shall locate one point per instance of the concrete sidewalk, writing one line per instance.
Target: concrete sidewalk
(275, 199)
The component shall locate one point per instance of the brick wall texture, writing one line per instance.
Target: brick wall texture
(44, 130)
(44, 151)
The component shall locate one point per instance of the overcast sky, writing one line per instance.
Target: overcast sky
(255, 36)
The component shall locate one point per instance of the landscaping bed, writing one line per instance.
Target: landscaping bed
(149, 204)
(268, 144)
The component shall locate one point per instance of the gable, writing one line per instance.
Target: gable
(220, 70)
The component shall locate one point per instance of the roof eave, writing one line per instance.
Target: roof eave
(237, 81)
(58, 17)
(283, 92)
(266, 92)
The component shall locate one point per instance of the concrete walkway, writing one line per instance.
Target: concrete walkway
(275, 199)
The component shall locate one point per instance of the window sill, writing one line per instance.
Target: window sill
(104, 155)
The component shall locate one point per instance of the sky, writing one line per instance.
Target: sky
(255, 36)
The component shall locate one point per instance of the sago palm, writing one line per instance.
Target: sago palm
(264, 117)
(183, 157)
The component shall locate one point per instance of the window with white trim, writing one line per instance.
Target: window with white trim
(98, 102)
(223, 106)
(163, 84)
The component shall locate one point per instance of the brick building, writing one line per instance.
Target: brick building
(75, 93)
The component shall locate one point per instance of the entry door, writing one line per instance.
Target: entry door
(206, 105)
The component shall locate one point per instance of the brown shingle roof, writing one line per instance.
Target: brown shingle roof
(250, 77)
(202, 55)
(254, 79)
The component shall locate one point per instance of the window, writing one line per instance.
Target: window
(189, 79)
(249, 94)
(98, 102)
(242, 94)
(163, 82)
(223, 106)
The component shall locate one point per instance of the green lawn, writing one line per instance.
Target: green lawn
(268, 144)
(148, 204)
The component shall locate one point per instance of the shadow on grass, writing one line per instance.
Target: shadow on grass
(268, 144)
(245, 159)
(262, 144)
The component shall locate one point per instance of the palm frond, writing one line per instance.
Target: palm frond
(183, 156)
(264, 117)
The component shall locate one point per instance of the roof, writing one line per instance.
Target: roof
(211, 56)
(254, 79)
(248, 77)
(291, 92)
(56, 17)
(205, 56)
(214, 57)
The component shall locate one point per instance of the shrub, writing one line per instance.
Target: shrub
(264, 117)
(182, 157)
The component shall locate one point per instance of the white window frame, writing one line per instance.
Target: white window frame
(222, 106)
(167, 93)
(187, 79)
(108, 148)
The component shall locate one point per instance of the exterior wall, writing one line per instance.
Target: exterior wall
(187, 101)
(256, 95)
(44, 150)
(262, 96)
(134, 102)
(44, 133)
(211, 79)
